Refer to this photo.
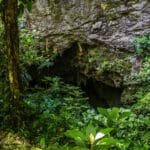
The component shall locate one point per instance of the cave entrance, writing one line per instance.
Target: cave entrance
(100, 94)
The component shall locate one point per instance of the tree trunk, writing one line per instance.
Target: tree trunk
(10, 16)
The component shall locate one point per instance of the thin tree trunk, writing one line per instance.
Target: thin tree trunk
(10, 16)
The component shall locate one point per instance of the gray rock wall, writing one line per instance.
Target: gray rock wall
(110, 22)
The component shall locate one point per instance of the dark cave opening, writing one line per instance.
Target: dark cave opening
(100, 94)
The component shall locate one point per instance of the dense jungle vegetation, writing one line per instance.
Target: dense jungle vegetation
(45, 112)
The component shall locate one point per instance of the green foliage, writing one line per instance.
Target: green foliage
(116, 65)
(58, 115)
(140, 84)
(89, 138)
(30, 54)
(145, 71)
(143, 76)
(108, 63)
(127, 126)
(142, 44)
(143, 104)
(120, 128)
(28, 48)
(53, 110)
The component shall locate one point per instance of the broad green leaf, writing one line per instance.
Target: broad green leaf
(103, 112)
(42, 142)
(106, 130)
(90, 129)
(114, 113)
(109, 141)
(75, 134)
(125, 114)
(146, 136)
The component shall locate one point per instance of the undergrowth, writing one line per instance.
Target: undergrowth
(58, 115)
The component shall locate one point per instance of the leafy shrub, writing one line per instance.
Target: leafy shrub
(54, 110)
(140, 84)
(61, 118)
(28, 48)
(145, 71)
(143, 76)
(31, 54)
(142, 44)
(89, 138)
(121, 129)
(143, 105)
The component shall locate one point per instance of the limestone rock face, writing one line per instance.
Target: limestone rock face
(110, 22)
(95, 36)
